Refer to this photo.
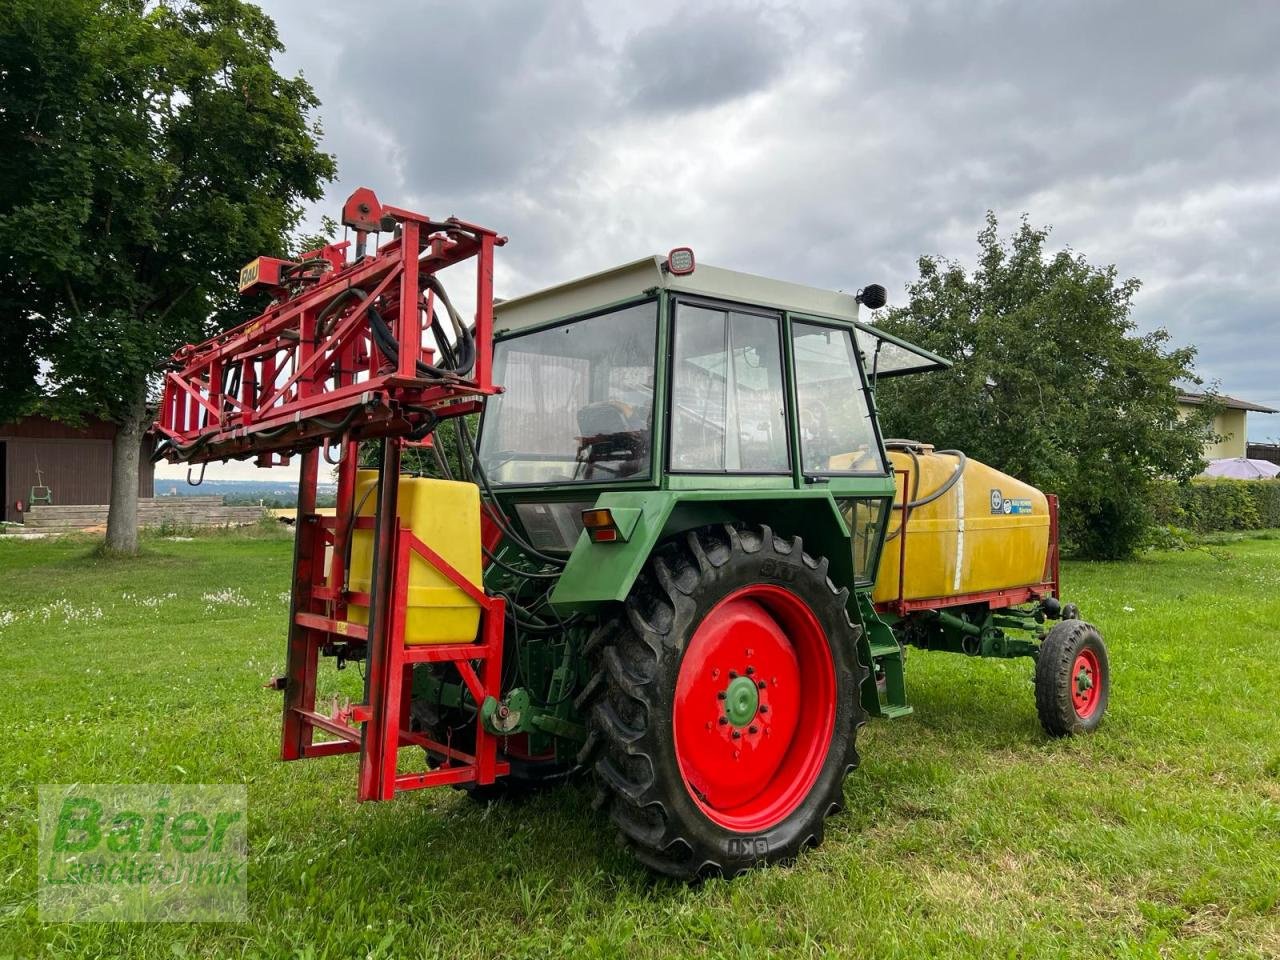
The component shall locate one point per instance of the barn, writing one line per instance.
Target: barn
(75, 463)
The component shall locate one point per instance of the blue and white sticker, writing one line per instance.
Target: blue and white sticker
(1009, 507)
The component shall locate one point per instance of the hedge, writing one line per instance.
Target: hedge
(1208, 505)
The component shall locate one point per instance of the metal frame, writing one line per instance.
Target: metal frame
(276, 385)
(379, 726)
(309, 372)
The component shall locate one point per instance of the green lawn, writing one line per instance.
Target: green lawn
(967, 832)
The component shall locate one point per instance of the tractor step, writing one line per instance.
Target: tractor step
(885, 694)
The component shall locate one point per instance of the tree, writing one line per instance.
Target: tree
(150, 150)
(1051, 384)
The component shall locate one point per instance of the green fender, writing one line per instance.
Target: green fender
(600, 573)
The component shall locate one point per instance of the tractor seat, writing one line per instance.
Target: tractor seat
(610, 432)
(604, 417)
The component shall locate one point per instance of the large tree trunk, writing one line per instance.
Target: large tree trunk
(126, 451)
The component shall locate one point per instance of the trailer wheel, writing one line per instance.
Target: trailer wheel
(727, 703)
(1073, 679)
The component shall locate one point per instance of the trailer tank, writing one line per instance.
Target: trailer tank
(986, 531)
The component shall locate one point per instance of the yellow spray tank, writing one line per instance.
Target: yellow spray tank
(986, 531)
(445, 515)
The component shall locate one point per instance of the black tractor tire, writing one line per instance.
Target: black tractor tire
(1073, 679)
(456, 727)
(639, 652)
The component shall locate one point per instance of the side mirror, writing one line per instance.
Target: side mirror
(872, 296)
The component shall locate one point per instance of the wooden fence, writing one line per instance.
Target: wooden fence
(177, 512)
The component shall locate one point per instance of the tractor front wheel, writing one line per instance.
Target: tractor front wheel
(1073, 679)
(726, 703)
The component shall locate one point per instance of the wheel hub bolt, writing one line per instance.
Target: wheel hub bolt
(753, 729)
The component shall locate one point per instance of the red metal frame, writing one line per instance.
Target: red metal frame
(380, 725)
(276, 385)
(306, 374)
(1050, 585)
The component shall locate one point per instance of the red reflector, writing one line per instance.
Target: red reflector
(604, 534)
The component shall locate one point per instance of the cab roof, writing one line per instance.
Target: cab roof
(886, 354)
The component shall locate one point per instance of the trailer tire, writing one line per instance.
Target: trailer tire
(1073, 679)
(671, 720)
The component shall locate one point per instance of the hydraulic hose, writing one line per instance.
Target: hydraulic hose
(494, 512)
(910, 447)
(458, 358)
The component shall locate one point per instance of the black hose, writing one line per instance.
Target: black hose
(442, 462)
(517, 572)
(495, 513)
(455, 364)
(910, 447)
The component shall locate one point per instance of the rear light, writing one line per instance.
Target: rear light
(600, 526)
(610, 524)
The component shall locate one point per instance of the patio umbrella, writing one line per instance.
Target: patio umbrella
(1242, 468)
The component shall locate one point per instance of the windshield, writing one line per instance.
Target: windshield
(578, 401)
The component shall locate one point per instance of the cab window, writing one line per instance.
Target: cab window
(578, 401)
(837, 434)
(728, 407)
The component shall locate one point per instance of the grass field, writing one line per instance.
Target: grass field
(967, 833)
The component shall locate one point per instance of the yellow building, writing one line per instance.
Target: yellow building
(1230, 423)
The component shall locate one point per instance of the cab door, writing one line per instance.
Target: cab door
(838, 437)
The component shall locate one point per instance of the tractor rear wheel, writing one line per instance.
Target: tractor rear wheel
(1073, 679)
(726, 703)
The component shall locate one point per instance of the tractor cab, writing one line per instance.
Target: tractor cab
(647, 378)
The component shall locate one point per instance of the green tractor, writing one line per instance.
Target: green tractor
(713, 561)
(679, 555)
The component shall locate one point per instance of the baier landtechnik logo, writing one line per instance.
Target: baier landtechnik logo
(143, 852)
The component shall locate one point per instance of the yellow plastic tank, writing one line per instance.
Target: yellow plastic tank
(988, 532)
(445, 515)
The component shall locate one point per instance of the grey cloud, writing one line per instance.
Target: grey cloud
(830, 142)
(701, 59)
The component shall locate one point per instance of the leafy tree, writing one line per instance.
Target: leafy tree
(1051, 384)
(445, 461)
(149, 151)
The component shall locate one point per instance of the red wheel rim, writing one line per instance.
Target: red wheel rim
(755, 707)
(1086, 683)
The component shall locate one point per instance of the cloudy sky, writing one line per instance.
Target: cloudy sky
(831, 143)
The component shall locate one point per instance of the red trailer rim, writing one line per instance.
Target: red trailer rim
(755, 708)
(1086, 684)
